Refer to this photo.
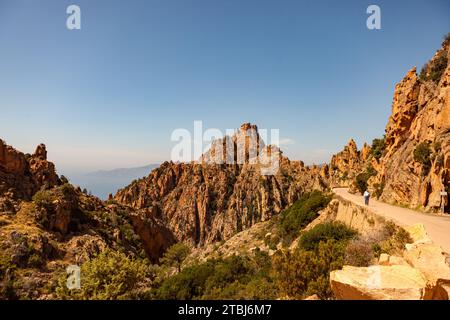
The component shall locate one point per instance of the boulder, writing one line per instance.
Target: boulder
(431, 261)
(388, 260)
(396, 282)
(83, 248)
(418, 233)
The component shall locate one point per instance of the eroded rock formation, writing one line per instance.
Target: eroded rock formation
(22, 175)
(204, 202)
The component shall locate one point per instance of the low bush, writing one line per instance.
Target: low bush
(112, 275)
(433, 71)
(396, 243)
(301, 213)
(175, 255)
(359, 253)
(323, 232)
(235, 277)
(378, 147)
(43, 199)
(302, 273)
(272, 241)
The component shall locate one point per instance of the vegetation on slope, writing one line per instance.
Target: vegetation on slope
(112, 275)
(301, 213)
(378, 147)
(287, 274)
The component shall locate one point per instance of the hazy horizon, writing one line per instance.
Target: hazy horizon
(109, 95)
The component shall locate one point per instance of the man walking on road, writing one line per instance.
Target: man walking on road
(366, 197)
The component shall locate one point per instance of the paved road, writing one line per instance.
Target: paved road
(438, 227)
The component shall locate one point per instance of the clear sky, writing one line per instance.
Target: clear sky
(110, 95)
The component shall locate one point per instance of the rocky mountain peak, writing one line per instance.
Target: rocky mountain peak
(248, 126)
(351, 146)
(244, 146)
(41, 152)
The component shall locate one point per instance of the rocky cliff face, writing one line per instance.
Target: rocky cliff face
(201, 203)
(420, 115)
(420, 119)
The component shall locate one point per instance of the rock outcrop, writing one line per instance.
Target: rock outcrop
(397, 282)
(420, 116)
(421, 274)
(154, 235)
(21, 176)
(201, 203)
(345, 165)
(348, 160)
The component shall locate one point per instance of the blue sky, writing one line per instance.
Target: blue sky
(110, 95)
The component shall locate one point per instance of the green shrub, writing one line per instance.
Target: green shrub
(235, 277)
(175, 255)
(437, 146)
(302, 273)
(35, 260)
(43, 199)
(359, 253)
(396, 243)
(433, 70)
(371, 171)
(378, 147)
(301, 213)
(68, 191)
(390, 228)
(323, 232)
(422, 154)
(188, 284)
(111, 275)
(376, 248)
(344, 176)
(272, 241)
